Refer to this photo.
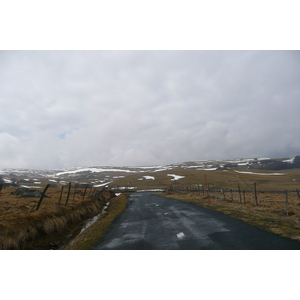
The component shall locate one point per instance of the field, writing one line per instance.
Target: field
(22, 227)
(55, 224)
(217, 179)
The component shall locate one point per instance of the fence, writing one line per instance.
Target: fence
(287, 200)
(68, 193)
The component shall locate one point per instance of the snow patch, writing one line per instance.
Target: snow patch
(151, 190)
(180, 235)
(7, 180)
(94, 170)
(290, 160)
(147, 177)
(176, 177)
(103, 184)
(260, 173)
(126, 188)
(91, 221)
(31, 187)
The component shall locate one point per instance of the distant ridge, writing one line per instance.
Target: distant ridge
(104, 174)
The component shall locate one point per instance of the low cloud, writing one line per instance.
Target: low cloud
(83, 108)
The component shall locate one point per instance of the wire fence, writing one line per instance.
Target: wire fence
(275, 200)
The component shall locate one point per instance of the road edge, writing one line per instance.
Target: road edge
(96, 231)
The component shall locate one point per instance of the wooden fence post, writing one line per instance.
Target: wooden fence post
(240, 193)
(255, 194)
(296, 191)
(231, 195)
(93, 192)
(74, 192)
(41, 198)
(62, 188)
(244, 194)
(207, 187)
(286, 203)
(223, 194)
(90, 192)
(84, 192)
(0, 187)
(69, 190)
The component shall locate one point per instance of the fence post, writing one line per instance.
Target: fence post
(240, 193)
(207, 187)
(90, 192)
(41, 198)
(244, 194)
(62, 188)
(69, 190)
(296, 191)
(223, 194)
(0, 187)
(255, 194)
(93, 192)
(74, 192)
(231, 195)
(84, 192)
(286, 203)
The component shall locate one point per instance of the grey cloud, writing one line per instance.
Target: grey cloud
(71, 108)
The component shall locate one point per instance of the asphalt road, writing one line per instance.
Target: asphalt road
(155, 223)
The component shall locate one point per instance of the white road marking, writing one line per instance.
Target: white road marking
(180, 235)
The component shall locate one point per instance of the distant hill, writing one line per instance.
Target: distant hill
(104, 175)
(273, 164)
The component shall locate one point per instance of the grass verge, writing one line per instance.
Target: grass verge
(96, 231)
(51, 227)
(268, 218)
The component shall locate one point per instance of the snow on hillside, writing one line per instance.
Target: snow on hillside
(260, 173)
(94, 170)
(176, 177)
(104, 175)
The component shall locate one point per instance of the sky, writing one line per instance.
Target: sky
(129, 108)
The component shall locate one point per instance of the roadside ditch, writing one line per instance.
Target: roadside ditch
(56, 229)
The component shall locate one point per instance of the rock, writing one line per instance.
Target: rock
(25, 192)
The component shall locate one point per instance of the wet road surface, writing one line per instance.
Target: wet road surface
(155, 223)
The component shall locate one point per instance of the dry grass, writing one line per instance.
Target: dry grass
(217, 179)
(270, 214)
(97, 230)
(22, 227)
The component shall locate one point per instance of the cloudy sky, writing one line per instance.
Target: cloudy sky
(84, 108)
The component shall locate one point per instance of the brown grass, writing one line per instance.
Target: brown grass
(96, 231)
(217, 179)
(269, 215)
(22, 227)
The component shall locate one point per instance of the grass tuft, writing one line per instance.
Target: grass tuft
(88, 239)
(20, 229)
